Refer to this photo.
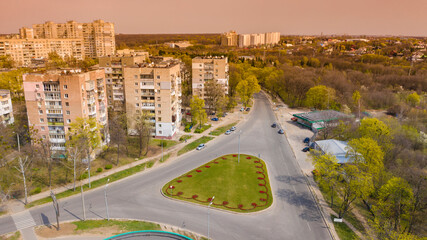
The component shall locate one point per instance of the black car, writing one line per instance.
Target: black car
(248, 109)
(306, 149)
(281, 131)
(306, 140)
(273, 125)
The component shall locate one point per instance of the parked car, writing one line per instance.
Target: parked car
(188, 113)
(225, 114)
(306, 149)
(281, 131)
(242, 109)
(306, 140)
(212, 113)
(248, 109)
(232, 128)
(214, 119)
(228, 132)
(201, 146)
(294, 119)
(273, 125)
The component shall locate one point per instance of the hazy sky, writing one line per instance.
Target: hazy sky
(372, 17)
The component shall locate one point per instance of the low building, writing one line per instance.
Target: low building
(335, 148)
(318, 120)
(6, 110)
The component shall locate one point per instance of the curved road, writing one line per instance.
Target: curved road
(293, 214)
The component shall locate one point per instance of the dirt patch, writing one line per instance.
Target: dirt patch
(70, 229)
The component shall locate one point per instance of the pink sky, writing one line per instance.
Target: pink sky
(371, 17)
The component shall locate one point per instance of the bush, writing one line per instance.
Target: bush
(108, 166)
(202, 129)
(187, 127)
(165, 143)
(99, 170)
(36, 190)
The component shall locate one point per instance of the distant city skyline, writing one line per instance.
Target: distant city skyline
(309, 17)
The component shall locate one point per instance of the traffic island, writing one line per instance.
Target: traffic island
(239, 184)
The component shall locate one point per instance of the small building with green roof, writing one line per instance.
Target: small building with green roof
(318, 120)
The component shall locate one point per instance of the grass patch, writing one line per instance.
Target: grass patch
(343, 231)
(94, 184)
(240, 187)
(165, 158)
(127, 226)
(166, 143)
(193, 145)
(15, 236)
(185, 137)
(150, 163)
(202, 128)
(222, 129)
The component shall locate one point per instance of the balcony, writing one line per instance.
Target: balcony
(57, 140)
(55, 124)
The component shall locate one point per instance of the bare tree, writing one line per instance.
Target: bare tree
(22, 168)
(214, 91)
(143, 128)
(118, 132)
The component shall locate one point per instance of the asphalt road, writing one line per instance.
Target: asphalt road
(293, 214)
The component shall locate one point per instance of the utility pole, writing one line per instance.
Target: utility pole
(106, 202)
(238, 150)
(208, 213)
(19, 144)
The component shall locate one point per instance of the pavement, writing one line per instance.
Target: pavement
(294, 213)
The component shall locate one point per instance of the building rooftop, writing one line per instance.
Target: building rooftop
(321, 116)
(210, 57)
(160, 64)
(336, 148)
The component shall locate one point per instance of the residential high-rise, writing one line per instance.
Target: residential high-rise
(56, 98)
(6, 110)
(229, 39)
(113, 66)
(258, 39)
(79, 40)
(207, 69)
(154, 88)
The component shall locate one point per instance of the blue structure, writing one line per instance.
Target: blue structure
(334, 147)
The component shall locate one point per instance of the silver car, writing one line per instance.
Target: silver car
(201, 146)
(228, 132)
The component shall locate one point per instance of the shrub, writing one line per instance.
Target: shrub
(108, 166)
(99, 170)
(202, 129)
(187, 127)
(150, 164)
(36, 190)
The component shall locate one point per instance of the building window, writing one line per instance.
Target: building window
(159, 112)
(41, 120)
(159, 105)
(136, 77)
(37, 86)
(136, 90)
(42, 128)
(137, 111)
(67, 104)
(39, 104)
(159, 119)
(40, 112)
(66, 95)
(160, 125)
(65, 86)
(158, 98)
(160, 132)
(68, 120)
(44, 136)
(68, 112)
(158, 84)
(137, 104)
(158, 76)
(38, 95)
(136, 83)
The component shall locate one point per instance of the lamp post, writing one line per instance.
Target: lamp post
(106, 202)
(83, 200)
(208, 213)
(238, 155)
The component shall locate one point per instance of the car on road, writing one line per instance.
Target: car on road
(228, 132)
(232, 128)
(306, 140)
(281, 131)
(214, 119)
(274, 125)
(294, 119)
(201, 146)
(242, 109)
(248, 109)
(306, 149)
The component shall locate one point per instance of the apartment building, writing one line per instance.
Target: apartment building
(259, 39)
(206, 69)
(56, 98)
(154, 88)
(79, 40)
(113, 66)
(229, 39)
(6, 110)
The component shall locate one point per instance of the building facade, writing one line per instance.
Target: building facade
(207, 69)
(6, 110)
(259, 39)
(56, 98)
(154, 89)
(113, 66)
(79, 40)
(229, 39)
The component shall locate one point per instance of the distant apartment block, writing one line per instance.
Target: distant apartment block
(154, 88)
(79, 40)
(229, 39)
(259, 39)
(113, 66)
(6, 110)
(56, 98)
(207, 69)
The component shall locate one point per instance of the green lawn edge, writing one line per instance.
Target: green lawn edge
(242, 156)
(223, 129)
(193, 145)
(344, 232)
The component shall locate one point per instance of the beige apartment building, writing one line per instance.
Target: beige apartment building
(6, 110)
(206, 69)
(229, 39)
(56, 98)
(113, 67)
(259, 39)
(154, 88)
(79, 40)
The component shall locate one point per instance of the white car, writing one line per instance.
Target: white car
(228, 132)
(201, 146)
(232, 128)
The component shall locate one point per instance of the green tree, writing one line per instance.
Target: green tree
(55, 61)
(198, 113)
(377, 130)
(413, 99)
(320, 97)
(6, 61)
(327, 168)
(246, 89)
(356, 101)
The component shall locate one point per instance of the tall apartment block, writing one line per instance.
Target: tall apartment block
(79, 40)
(56, 98)
(6, 110)
(229, 39)
(154, 88)
(113, 66)
(258, 39)
(207, 69)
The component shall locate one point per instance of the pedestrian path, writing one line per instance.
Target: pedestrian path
(23, 220)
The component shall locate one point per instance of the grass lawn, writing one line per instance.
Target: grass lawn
(167, 143)
(127, 226)
(15, 236)
(202, 128)
(239, 187)
(222, 130)
(185, 137)
(193, 145)
(343, 231)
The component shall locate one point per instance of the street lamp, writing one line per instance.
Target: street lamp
(238, 156)
(83, 199)
(106, 202)
(208, 212)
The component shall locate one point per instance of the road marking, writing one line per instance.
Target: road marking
(23, 220)
(308, 226)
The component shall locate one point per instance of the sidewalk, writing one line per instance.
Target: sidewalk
(15, 206)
